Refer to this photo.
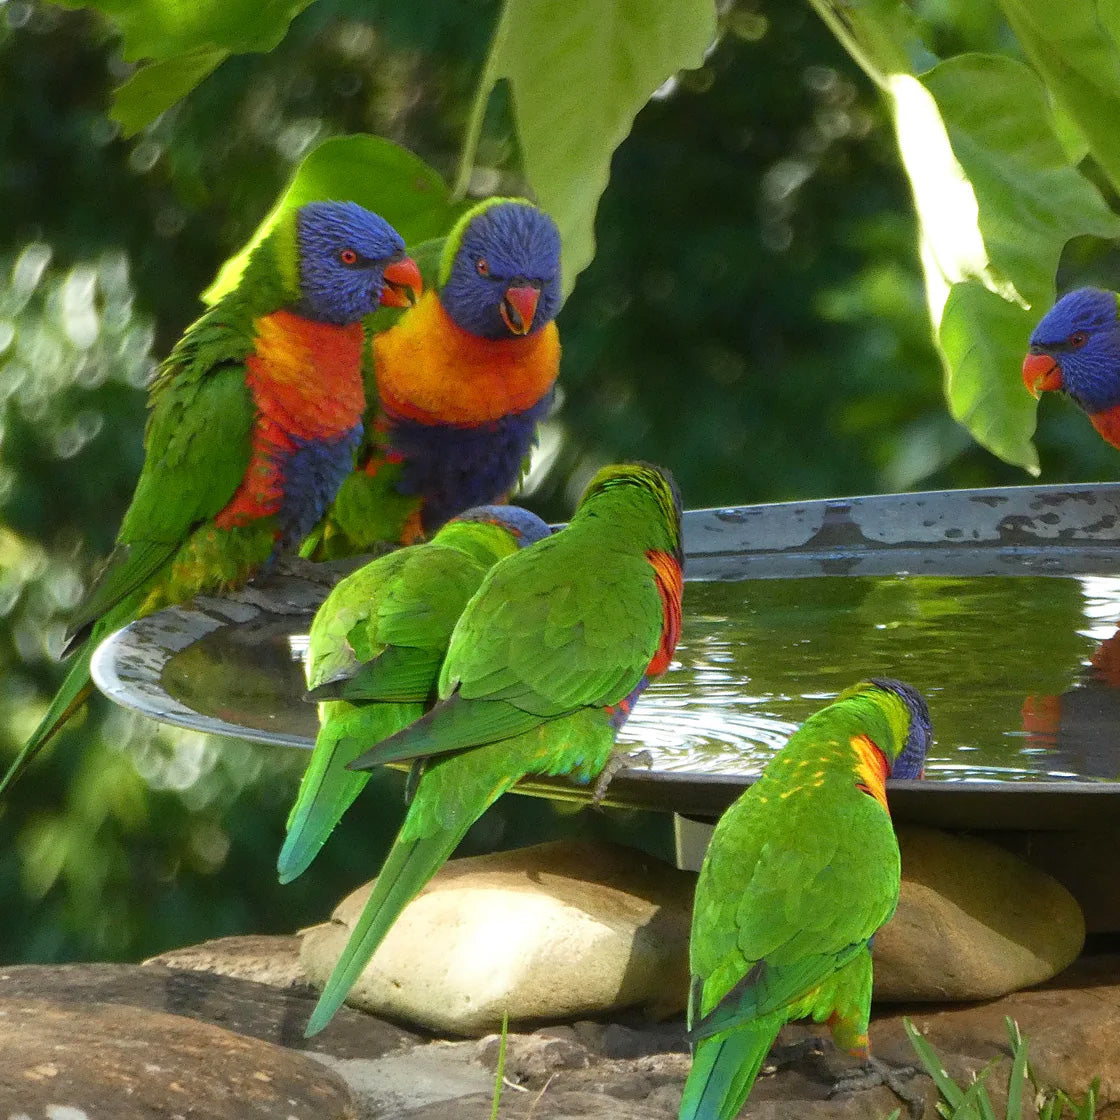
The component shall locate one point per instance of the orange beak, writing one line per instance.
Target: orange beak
(1041, 373)
(519, 307)
(401, 283)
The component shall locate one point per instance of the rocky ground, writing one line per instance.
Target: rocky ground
(130, 1042)
(592, 939)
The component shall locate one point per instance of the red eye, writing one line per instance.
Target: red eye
(482, 267)
(1078, 339)
(348, 257)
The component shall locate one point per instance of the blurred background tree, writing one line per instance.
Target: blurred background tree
(756, 293)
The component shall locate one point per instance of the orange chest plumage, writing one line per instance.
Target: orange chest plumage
(306, 384)
(306, 376)
(430, 370)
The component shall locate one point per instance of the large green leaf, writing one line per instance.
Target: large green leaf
(1074, 47)
(579, 72)
(996, 265)
(158, 85)
(378, 174)
(182, 41)
(997, 197)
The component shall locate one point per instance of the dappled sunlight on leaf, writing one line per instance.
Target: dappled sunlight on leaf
(952, 247)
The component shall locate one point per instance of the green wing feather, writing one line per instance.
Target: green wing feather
(400, 674)
(571, 622)
(379, 636)
(196, 452)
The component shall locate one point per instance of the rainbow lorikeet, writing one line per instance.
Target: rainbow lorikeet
(1076, 349)
(461, 382)
(800, 873)
(254, 419)
(376, 647)
(542, 669)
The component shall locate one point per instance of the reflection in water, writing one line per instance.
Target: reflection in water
(1021, 673)
(1082, 724)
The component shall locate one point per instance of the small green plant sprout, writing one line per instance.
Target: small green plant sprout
(500, 1070)
(974, 1103)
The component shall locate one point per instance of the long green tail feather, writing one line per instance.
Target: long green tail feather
(328, 789)
(453, 793)
(724, 1071)
(409, 865)
(73, 693)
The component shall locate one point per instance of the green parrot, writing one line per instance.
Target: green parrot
(253, 424)
(542, 670)
(800, 873)
(376, 647)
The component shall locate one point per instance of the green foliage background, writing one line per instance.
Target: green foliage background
(756, 290)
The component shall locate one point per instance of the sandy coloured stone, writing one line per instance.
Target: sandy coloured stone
(556, 931)
(973, 922)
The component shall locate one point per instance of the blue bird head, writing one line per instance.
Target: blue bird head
(526, 527)
(350, 261)
(1076, 348)
(500, 274)
(911, 760)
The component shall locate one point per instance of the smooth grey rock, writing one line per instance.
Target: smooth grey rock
(556, 931)
(400, 1084)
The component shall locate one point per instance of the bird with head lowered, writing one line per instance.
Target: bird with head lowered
(542, 669)
(374, 656)
(800, 872)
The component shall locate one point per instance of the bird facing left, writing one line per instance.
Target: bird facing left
(253, 422)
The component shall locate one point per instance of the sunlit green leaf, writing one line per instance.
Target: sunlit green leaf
(997, 196)
(376, 173)
(997, 272)
(1074, 47)
(579, 73)
(182, 41)
(157, 86)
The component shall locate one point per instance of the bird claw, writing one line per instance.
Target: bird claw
(876, 1072)
(620, 760)
(784, 1055)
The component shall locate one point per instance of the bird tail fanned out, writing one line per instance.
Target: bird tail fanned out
(72, 694)
(409, 865)
(327, 788)
(724, 1071)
